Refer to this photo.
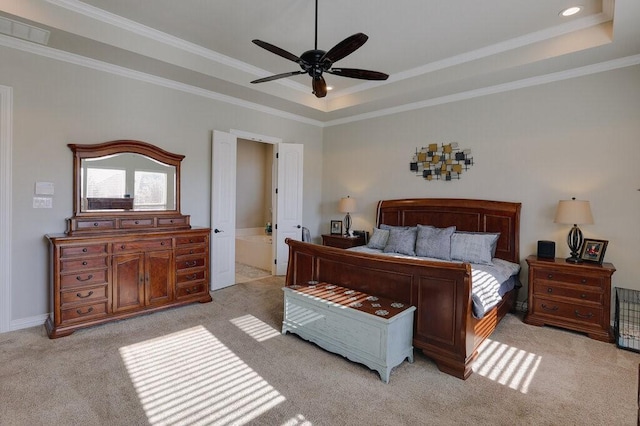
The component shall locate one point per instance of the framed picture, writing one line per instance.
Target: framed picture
(336, 227)
(593, 250)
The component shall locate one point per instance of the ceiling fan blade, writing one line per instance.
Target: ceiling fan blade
(345, 47)
(319, 87)
(357, 73)
(277, 76)
(278, 51)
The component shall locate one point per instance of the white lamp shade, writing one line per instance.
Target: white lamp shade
(574, 212)
(347, 205)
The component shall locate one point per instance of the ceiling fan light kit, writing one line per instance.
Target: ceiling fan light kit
(316, 62)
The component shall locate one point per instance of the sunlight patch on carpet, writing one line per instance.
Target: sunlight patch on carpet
(255, 328)
(191, 378)
(298, 420)
(506, 365)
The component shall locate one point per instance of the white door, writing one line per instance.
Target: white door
(287, 201)
(223, 210)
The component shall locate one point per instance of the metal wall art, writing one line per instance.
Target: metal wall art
(444, 162)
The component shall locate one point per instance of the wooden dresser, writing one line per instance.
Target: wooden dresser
(572, 296)
(96, 278)
(117, 261)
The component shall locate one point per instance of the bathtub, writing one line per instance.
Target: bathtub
(254, 248)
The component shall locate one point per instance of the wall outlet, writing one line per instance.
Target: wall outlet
(42, 202)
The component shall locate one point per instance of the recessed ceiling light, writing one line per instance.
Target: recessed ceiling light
(571, 11)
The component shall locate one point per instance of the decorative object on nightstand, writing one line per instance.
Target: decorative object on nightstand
(336, 227)
(347, 205)
(574, 212)
(593, 250)
(342, 241)
(572, 296)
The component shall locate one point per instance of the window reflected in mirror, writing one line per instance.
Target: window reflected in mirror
(127, 181)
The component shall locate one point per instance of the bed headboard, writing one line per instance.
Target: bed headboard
(466, 215)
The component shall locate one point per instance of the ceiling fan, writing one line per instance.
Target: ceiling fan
(316, 62)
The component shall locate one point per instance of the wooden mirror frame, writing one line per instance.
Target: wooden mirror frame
(105, 220)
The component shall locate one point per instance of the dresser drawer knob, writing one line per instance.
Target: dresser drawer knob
(84, 263)
(190, 264)
(161, 243)
(191, 277)
(84, 279)
(586, 316)
(549, 290)
(546, 308)
(84, 250)
(96, 224)
(584, 281)
(79, 311)
(550, 276)
(584, 296)
(137, 222)
(190, 251)
(79, 295)
(192, 290)
(122, 247)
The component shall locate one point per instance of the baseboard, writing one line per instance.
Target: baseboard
(19, 324)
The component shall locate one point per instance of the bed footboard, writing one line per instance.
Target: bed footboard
(444, 327)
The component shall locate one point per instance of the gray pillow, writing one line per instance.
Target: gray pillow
(473, 247)
(378, 239)
(402, 241)
(434, 242)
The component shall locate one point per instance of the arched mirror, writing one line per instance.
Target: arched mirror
(125, 178)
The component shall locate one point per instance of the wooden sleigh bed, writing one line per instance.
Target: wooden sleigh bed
(445, 328)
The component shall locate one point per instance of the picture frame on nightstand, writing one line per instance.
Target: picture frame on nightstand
(592, 251)
(336, 227)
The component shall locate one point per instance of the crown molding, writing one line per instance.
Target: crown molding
(500, 88)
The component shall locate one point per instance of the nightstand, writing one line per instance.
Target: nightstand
(572, 296)
(340, 241)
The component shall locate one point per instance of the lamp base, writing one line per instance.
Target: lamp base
(573, 259)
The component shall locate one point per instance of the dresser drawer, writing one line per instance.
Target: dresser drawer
(172, 221)
(190, 290)
(187, 263)
(83, 250)
(84, 312)
(196, 239)
(186, 251)
(83, 264)
(133, 246)
(564, 277)
(84, 295)
(97, 224)
(82, 279)
(136, 223)
(575, 292)
(188, 276)
(570, 311)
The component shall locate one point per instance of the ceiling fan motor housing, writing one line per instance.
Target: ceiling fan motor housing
(311, 62)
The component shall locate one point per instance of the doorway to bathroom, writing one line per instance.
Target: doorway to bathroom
(254, 210)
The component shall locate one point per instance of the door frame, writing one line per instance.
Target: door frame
(6, 207)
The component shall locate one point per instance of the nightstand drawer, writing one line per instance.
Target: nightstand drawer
(570, 311)
(576, 296)
(582, 294)
(563, 277)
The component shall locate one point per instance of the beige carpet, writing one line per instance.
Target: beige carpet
(226, 363)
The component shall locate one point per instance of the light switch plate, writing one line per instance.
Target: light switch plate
(44, 188)
(42, 202)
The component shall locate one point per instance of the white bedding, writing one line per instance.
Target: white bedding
(488, 282)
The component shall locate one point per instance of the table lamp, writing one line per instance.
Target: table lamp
(574, 212)
(347, 205)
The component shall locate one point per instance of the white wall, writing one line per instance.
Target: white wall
(579, 137)
(56, 103)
